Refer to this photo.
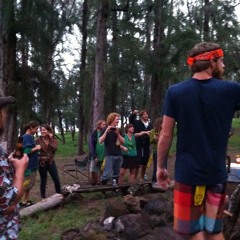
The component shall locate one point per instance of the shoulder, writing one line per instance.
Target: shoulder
(94, 133)
(27, 136)
(181, 85)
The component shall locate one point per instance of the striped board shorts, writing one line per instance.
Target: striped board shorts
(191, 217)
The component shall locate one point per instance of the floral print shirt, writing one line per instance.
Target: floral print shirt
(9, 224)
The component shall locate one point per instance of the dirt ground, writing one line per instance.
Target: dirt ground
(65, 179)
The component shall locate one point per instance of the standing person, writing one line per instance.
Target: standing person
(48, 144)
(11, 183)
(154, 137)
(203, 108)
(142, 142)
(112, 139)
(96, 153)
(31, 149)
(129, 152)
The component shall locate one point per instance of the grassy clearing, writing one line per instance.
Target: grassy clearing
(50, 224)
(70, 148)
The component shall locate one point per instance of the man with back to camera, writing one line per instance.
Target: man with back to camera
(203, 108)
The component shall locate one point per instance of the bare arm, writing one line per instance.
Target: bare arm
(120, 138)
(103, 137)
(164, 144)
(19, 166)
(142, 133)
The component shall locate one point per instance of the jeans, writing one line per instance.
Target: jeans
(52, 169)
(112, 168)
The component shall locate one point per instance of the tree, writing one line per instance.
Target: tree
(100, 62)
(82, 78)
(8, 68)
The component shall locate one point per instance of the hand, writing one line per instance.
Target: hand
(135, 111)
(50, 135)
(108, 129)
(38, 147)
(145, 132)
(156, 137)
(96, 160)
(163, 178)
(19, 165)
(125, 149)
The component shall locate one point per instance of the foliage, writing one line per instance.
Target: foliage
(145, 52)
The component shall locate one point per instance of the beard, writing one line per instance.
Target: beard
(217, 73)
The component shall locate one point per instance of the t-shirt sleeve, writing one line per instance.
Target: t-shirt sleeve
(236, 88)
(169, 109)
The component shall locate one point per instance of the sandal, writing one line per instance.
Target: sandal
(22, 204)
(28, 203)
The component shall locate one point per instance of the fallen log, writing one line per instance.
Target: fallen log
(76, 188)
(129, 187)
(45, 204)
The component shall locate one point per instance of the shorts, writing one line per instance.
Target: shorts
(130, 162)
(29, 181)
(208, 216)
(95, 167)
(143, 154)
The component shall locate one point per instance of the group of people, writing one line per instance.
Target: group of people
(201, 108)
(18, 176)
(41, 152)
(113, 153)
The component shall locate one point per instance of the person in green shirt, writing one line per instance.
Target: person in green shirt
(154, 136)
(129, 151)
(97, 152)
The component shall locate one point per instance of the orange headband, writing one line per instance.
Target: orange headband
(205, 56)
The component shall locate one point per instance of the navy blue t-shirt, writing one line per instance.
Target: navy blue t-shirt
(28, 143)
(203, 110)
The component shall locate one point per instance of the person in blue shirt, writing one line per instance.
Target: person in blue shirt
(31, 149)
(202, 109)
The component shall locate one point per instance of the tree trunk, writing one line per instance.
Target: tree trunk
(8, 68)
(61, 126)
(157, 82)
(147, 77)
(81, 117)
(206, 36)
(98, 86)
